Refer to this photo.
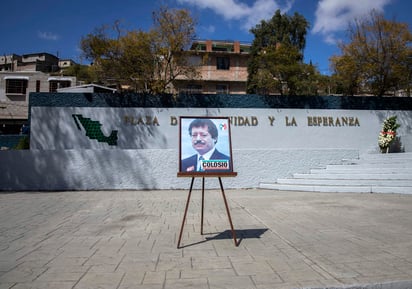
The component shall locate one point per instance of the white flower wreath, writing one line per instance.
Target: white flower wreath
(386, 138)
(388, 133)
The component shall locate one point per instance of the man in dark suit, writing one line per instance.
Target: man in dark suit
(204, 135)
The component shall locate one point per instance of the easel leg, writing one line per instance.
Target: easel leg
(203, 205)
(228, 212)
(184, 215)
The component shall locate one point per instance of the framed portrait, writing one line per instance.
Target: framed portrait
(205, 145)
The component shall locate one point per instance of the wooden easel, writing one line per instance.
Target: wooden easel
(193, 175)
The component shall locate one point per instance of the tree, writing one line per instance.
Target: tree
(277, 53)
(173, 33)
(135, 65)
(283, 66)
(347, 74)
(377, 58)
(102, 48)
(146, 61)
(81, 72)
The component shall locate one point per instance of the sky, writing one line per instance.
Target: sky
(57, 26)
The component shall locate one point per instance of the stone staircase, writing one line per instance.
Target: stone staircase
(371, 173)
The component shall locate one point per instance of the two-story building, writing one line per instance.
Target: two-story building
(222, 68)
(20, 75)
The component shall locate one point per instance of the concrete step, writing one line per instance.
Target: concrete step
(349, 182)
(394, 164)
(372, 173)
(354, 176)
(384, 161)
(381, 159)
(387, 156)
(338, 189)
(365, 170)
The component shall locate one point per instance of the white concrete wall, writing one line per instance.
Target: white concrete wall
(156, 128)
(273, 144)
(147, 169)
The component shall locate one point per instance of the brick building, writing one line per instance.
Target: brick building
(222, 66)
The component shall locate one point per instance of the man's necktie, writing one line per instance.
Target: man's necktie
(199, 164)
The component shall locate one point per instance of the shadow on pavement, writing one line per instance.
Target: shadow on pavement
(240, 234)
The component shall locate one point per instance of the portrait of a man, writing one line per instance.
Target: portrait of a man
(205, 145)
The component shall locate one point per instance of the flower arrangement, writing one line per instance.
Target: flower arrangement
(388, 133)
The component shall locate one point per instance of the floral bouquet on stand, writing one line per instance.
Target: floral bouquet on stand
(388, 134)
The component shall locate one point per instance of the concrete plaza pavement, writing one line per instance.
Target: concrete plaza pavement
(128, 239)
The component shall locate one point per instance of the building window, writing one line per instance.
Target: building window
(55, 84)
(192, 89)
(195, 60)
(222, 89)
(222, 63)
(217, 48)
(16, 86)
(37, 85)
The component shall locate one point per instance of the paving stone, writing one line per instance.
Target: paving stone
(238, 282)
(100, 280)
(189, 274)
(43, 285)
(211, 263)
(174, 263)
(132, 278)
(22, 274)
(58, 276)
(200, 283)
(157, 277)
(6, 285)
(266, 278)
(252, 268)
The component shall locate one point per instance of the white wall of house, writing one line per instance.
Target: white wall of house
(32, 77)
